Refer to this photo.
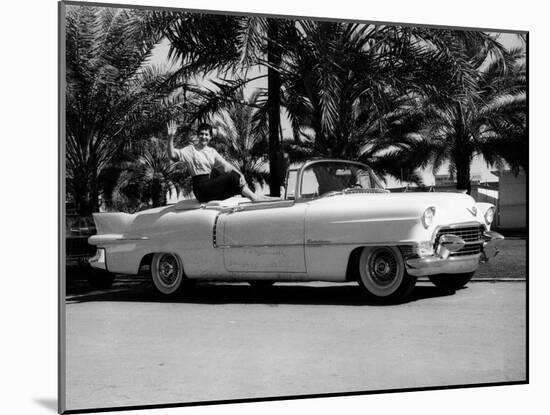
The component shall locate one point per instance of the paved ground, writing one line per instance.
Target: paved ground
(125, 347)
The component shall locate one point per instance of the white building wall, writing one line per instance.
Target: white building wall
(512, 206)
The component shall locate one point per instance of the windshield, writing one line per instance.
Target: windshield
(324, 178)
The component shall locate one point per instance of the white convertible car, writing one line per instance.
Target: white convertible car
(335, 223)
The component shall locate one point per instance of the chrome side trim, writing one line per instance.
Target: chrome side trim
(313, 243)
(258, 246)
(215, 231)
(362, 243)
(113, 239)
(412, 218)
(267, 204)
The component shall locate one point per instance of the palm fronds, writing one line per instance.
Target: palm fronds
(113, 96)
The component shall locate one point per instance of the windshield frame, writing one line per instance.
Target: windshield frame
(307, 165)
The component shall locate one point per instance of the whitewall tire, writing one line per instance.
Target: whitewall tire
(167, 273)
(383, 275)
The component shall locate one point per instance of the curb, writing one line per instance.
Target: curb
(498, 280)
(486, 280)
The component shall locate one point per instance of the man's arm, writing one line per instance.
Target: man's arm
(171, 151)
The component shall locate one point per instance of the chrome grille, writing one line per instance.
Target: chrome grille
(472, 235)
(469, 233)
(473, 249)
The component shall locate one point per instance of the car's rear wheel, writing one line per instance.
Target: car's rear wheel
(167, 273)
(383, 275)
(451, 282)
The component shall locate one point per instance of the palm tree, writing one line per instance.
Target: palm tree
(487, 117)
(113, 97)
(148, 178)
(241, 135)
(378, 93)
(361, 89)
(352, 86)
(205, 43)
(328, 75)
(331, 74)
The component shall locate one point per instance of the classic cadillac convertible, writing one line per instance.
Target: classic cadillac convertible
(334, 223)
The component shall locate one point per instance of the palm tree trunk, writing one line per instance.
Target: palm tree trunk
(157, 195)
(81, 195)
(462, 151)
(463, 176)
(94, 202)
(87, 194)
(273, 103)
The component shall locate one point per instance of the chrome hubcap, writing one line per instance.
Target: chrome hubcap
(383, 267)
(168, 269)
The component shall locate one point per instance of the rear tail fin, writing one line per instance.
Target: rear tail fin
(112, 223)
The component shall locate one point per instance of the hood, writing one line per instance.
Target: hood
(450, 207)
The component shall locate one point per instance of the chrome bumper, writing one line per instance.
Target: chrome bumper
(442, 263)
(98, 260)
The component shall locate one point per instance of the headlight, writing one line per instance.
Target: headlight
(490, 215)
(428, 216)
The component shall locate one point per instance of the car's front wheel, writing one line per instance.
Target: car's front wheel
(451, 282)
(383, 275)
(167, 273)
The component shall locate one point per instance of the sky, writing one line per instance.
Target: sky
(478, 168)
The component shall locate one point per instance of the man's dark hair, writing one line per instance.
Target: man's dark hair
(204, 126)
